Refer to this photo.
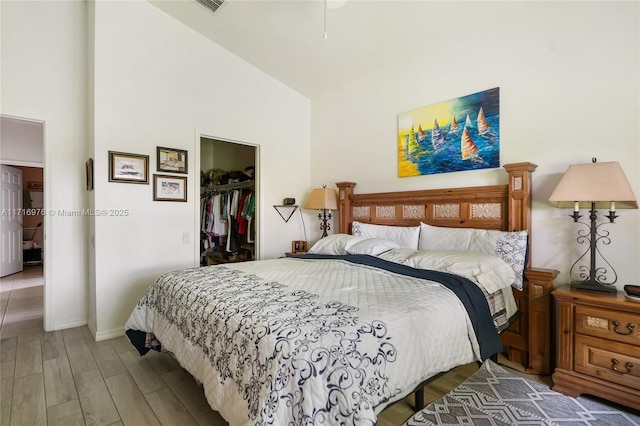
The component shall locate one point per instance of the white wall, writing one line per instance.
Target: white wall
(166, 85)
(44, 78)
(21, 141)
(569, 77)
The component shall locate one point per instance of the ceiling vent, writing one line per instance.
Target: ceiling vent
(212, 5)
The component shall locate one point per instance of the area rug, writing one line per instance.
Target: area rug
(493, 396)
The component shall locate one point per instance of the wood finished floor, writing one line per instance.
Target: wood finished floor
(66, 378)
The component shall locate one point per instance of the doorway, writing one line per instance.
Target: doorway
(11, 205)
(22, 252)
(228, 201)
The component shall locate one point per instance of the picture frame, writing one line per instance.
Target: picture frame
(299, 246)
(35, 186)
(172, 160)
(169, 188)
(89, 174)
(450, 136)
(125, 167)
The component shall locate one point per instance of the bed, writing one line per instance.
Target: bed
(335, 336)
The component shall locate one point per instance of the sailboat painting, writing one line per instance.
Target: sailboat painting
(455, 135)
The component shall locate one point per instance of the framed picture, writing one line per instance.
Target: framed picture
(172, 160)
(89, 169)
(450, 136)
(128, 168)
(298, 246)
(169, 188)
(35, 186)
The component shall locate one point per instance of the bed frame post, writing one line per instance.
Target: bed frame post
(345, 190)
(529, 339)
(519, 218)
(539, 287)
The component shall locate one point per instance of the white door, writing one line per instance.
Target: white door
(11, 208)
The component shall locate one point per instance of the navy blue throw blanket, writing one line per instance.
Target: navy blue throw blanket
(467, 291)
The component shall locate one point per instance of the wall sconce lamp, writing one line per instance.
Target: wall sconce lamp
(325, 200)
(594, 185)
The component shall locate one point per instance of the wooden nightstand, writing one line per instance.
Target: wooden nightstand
(598, 345)
(289, 254)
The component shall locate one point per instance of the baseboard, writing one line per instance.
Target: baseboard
(98, 336)
(108, 334)
(92, 328)
(65, 325)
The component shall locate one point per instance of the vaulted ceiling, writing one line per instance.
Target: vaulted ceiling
(285, 38)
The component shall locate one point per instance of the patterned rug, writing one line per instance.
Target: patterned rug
(493, 396)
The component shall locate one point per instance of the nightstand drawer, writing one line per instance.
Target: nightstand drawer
(601, 358)
(608, 324)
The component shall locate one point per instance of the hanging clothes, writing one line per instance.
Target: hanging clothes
(242, 214)
(251, 212)
(219, 226)
(227, 212)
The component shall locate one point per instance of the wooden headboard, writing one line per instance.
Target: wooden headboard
(502, 207)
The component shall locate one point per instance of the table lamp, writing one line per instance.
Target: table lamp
(594, 185)
(325, 200)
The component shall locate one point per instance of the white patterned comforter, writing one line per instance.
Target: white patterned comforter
(298, 341)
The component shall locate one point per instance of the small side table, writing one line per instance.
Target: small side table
(289, 253)
(598, 345)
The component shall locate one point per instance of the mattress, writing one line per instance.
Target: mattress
(328, 340)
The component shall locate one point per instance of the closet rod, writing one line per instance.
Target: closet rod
(217, 189)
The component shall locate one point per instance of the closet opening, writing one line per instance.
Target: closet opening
(228, 202)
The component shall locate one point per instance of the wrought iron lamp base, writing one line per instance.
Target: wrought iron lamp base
(325, 226)
(594, 285)
(592, 236)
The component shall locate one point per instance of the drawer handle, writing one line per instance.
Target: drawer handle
(627, 365)
(630, 327)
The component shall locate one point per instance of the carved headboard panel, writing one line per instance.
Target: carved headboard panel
(504, 207)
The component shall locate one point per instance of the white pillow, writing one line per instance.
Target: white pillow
(335, 244)
(406, 236)
(509, 246)
(491, 272)
(441, 238)
(372, 246)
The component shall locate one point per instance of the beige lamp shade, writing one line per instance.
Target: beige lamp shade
(602, 183)
(322, 199)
